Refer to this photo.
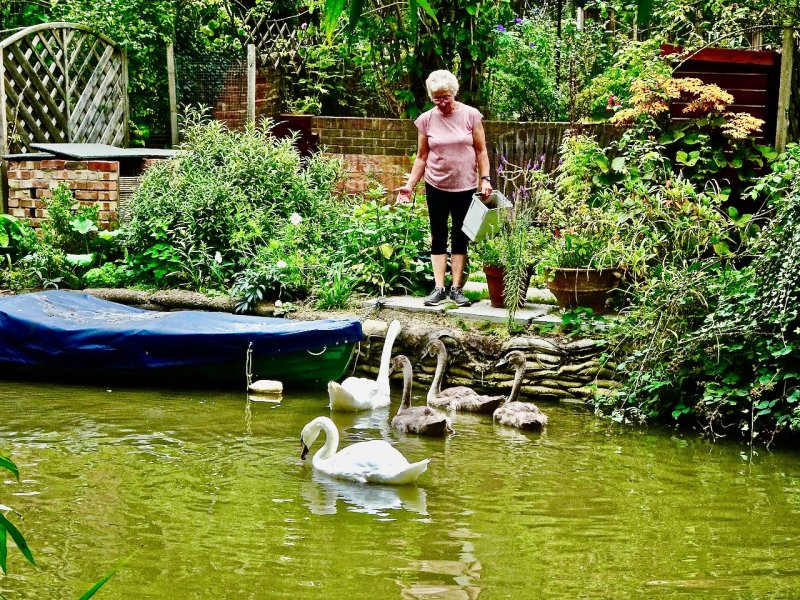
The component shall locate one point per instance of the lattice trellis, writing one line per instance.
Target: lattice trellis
(277, 41)
(62, 82)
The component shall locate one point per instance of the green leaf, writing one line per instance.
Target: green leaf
(356, 8)
(644, 9)
(386, 250)
(423, 4)
(7, 464)
(618, 164)
(331, 14)
(93, 590)
(80, 260)
(3, 550)
(4, 239)
(18, 539)
(83, 225)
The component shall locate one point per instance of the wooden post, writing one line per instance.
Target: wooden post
(785, 91)
(251, 84)
(126, 115)
(3, 134)
(173, 94)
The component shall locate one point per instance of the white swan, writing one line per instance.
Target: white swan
(360, 393)
(460, 397)
(375, 461)
(522, 415)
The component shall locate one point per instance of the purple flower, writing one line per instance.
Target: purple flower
(530, 45)
(503, 159)
(500, 169)
(501, 29)
(304, 26)
(518, 21)
(528, 166)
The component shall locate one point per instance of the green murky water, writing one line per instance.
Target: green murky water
(209, 499)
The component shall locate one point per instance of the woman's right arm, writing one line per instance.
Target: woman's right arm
(417, 170)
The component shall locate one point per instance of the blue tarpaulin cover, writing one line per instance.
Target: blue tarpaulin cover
(62, 329)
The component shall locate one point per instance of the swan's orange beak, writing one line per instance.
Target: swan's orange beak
(304, 453)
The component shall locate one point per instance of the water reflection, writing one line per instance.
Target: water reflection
(462, 573)
(322, 494)
(355, 425)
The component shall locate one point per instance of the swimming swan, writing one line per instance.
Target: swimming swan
(522, 415)
(460, 397)
(360, 393)
(375, 461)
(422, 420)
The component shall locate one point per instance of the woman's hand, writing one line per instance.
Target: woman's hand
(404, 194)
(486, 189)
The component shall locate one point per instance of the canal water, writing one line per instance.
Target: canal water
(200, 494)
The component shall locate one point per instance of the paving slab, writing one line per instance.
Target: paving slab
(484, 311)
(409, 304)
(534, 295)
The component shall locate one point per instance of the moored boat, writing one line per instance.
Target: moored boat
(62, 335)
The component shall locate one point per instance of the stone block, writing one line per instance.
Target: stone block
(85, 195)
(52, 164)
(103, 165)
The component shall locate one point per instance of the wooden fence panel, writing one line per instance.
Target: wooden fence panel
(61, 82)
(537, 144)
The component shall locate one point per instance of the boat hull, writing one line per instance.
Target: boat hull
(74, 337)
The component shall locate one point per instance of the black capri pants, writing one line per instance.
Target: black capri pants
(442, 205)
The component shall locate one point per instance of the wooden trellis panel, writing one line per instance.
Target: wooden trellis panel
(277, 41)
(539, 143)
(62, 82)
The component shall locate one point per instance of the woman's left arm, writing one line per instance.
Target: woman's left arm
(482, 154)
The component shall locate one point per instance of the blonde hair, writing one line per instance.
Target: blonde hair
(441, 81)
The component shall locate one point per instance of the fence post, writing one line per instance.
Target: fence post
(126, 104)
(173, 95)
(785, 91)
(3, 134)
(251, 83)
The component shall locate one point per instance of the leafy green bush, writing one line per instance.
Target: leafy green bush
(229, 202)
(716, 343)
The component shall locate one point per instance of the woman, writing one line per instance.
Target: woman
(451, 156)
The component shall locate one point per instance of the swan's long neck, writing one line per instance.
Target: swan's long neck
(408, 377)
(331, 441)
(436, 384)
(386, 355)
(520, 373)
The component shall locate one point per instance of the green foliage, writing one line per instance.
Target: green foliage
(335, 291)
(7, 528)
(228, 202)
(605, 92)
(108, 275)
(716, 342)
(381, 247)
(522, 68)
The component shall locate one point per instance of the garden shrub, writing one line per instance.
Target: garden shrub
(716, 342)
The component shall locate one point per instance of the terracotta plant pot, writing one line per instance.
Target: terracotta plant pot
(589, 288)
(494, 280)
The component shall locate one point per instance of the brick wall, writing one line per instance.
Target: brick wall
(30, 183)
(380, 149)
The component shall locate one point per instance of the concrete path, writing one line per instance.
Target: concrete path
(539, 309)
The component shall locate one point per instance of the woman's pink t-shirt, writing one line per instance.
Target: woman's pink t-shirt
(452, 164)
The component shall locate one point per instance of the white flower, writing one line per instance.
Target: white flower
(278, 303)
(295, 219)
(218, 258)
(281, 264)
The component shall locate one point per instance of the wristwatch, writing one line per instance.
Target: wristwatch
(486, 178)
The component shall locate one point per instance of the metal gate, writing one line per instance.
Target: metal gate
(62, 82)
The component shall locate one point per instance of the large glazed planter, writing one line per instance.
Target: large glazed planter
(497, 289)
(589, 288)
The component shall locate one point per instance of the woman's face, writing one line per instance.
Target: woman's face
(443, 100)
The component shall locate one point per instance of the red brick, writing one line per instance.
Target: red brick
(13, 203)
(52, 164)
(19, 194)
(106, 195)
(76, 164)
(98, 165)
(85, 195)
(42, 193)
